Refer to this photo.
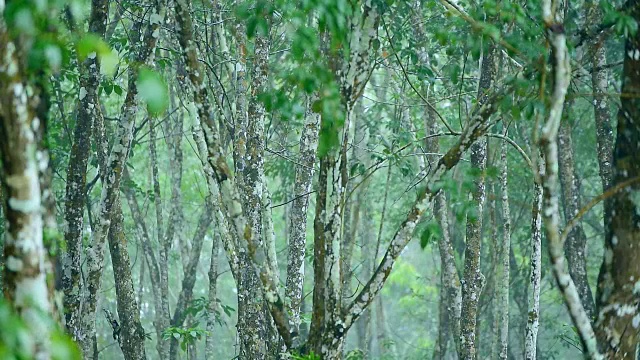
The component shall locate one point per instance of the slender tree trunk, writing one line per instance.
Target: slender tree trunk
(549, 146)
(505, 250)
(131, 333)
(473, 280)
(364, 325)
(576, 244)
(173, 232)
(352, 209)
(451, 292)
(601, 110)
(299, 207)
(619, 317)
(111, 186)
(213, 309)
(533, 318)
(386, 347)
(164, 243)
(88, 110)
(161, 321)
(189, 280)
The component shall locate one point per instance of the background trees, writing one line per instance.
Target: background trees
(360, 179)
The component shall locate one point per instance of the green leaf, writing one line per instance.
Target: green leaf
(153, 91)
(91, 45)
(376, 44)
(431, 232)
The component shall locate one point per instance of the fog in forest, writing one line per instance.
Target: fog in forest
(319, 179)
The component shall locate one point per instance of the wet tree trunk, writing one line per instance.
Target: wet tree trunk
(299, 207)
(88, 110)
(473, 280)
(619, 281)
(131, 336)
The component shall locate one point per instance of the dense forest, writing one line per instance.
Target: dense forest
(319, 179)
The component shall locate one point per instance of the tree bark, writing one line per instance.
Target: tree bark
(299, 207)
(619, 281)
(505, 250)
(213, 309)
(161, 321)
(110, 190)
(131, 333)
(88, 110)
(473, 280)
(549, 147)
(575, 246)
(26, 269)
(601, 110)
(533, 318)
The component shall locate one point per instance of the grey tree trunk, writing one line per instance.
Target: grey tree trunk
(212, 306)
(473, 280)
(549, 147)
(601, 108)
(88, 110)
(164, 243)
(533, 318)
(299, 207)
(451, 292)
(111, 186)
(161, 320)
(505, 250)
(576, 243)
(27, 268)
(620, 272)
(131, 336)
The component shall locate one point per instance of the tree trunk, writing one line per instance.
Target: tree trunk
(619, 317)
(549, 147)
(505, 250)
(189, 280)
(88, 110)
(213, 309)
(111, 186)
(473, 280)
(164, 243)
(26, 269)
(533, 318)
(299, 207)
(575, 246)
(161, 321)
(131, 333)
(601, 110)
